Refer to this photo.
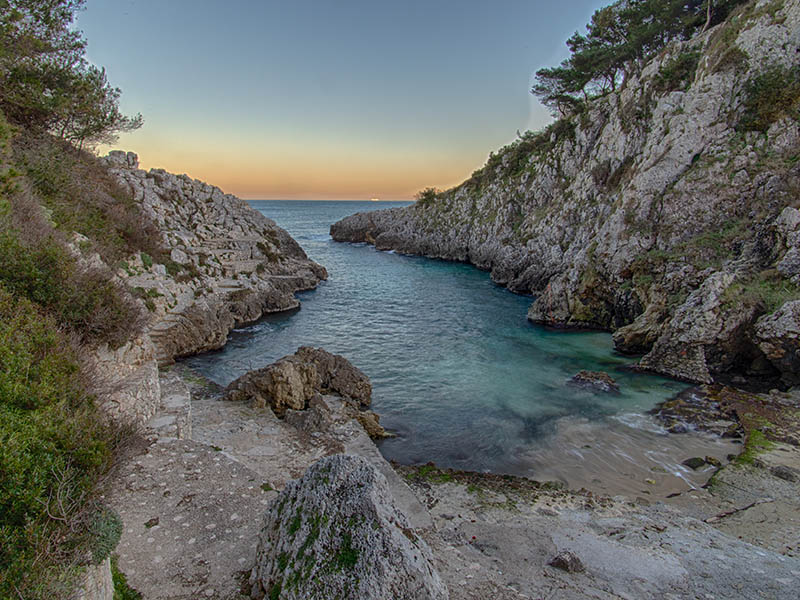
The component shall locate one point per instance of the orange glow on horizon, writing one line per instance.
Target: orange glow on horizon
(325, 170)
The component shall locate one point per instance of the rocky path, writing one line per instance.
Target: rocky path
(193, 494)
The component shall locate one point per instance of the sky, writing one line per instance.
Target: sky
(327, 99)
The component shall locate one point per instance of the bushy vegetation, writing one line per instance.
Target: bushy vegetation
(771, 96)
(80, 195)
(53, 449)
(515, 157)
(619, 40)
(55, 307)
(767, 290)
(426, 196)
(677, 73)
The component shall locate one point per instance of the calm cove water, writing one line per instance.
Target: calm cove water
(458, 373)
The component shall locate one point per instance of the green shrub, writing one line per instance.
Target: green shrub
(54, 446)
(677, 73)
(86, 301)
(427, 196)
(104, 533)
(770, 97)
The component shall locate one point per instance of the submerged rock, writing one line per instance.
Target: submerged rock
(337, 533)
(694, 463)
(595, 380)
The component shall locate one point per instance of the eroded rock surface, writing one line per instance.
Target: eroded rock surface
(228, 263)
(778, 337)
(337, 533)
(292, 381)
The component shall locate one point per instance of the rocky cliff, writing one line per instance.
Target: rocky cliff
(228, 263)
(666, 212)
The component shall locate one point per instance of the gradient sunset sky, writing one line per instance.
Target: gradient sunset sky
(328, 99)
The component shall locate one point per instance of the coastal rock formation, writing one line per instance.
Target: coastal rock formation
(293, 380)
(293, 387)
(655, 213)
(337, 533)
(228, 264)
(778, 336)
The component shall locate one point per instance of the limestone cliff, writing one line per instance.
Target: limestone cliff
(656, 213)
(229, 264)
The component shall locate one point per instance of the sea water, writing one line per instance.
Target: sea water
(458, 373)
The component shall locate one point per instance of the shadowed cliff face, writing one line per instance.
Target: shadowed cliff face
(657, 214)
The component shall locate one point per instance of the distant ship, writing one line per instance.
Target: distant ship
(374, 199)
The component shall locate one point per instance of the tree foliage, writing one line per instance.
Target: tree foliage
(618, 41)
(45, 80)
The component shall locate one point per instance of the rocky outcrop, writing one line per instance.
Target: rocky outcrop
(227, 264)
(337, 533)
(778, 337)
(293, 380)
(297, 383)
(652, 214)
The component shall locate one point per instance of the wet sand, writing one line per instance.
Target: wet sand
(627, 455)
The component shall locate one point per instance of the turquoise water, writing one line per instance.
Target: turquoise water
(458, 372)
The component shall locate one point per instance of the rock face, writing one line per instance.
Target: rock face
(98, 584)
(292, 381)
(651, 215)
(293, 387)
(778, 337)
(228, 263)
(337, 533)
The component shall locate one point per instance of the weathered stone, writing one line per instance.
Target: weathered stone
(293, 380)
(595, 380)
(694, 463)
(97, 584)
(338, 533)
(338, 375)
(785, 473)
(370, 421)
(567, 561)
(778, 337)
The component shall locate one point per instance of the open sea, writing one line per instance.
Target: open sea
(458, 373)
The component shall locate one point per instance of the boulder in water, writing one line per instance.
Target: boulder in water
(595, 380)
